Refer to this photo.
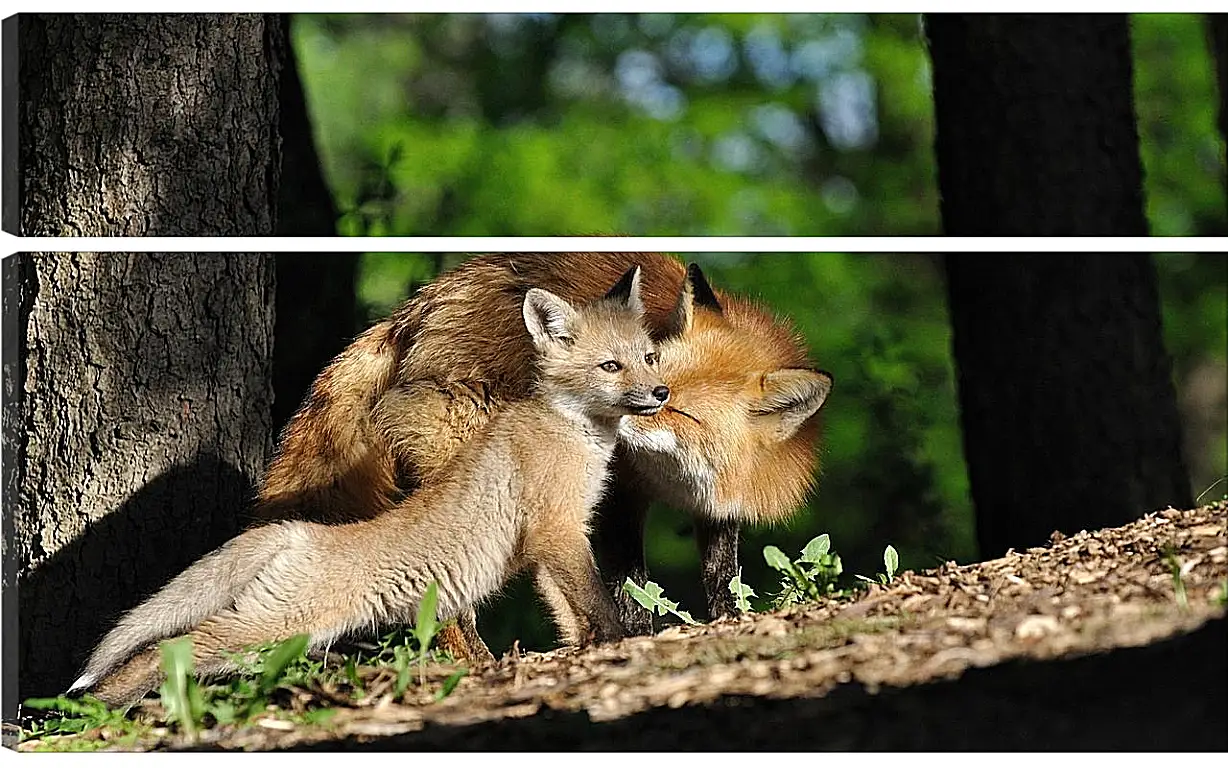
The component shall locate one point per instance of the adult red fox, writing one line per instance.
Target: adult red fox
(735, 444)
(518, 495)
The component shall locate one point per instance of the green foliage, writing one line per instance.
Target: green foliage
(426, 627)
(279, 658)
(450, 684)
(686, 124)
(1174, 569)
(1181, 147)
(891, 562)
(180, 694)
(741, 592)
(76, 716)
(810, 577)
(652, 597)
(262, 672)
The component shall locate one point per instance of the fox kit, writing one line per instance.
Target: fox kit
(519, 495)
(736, 443)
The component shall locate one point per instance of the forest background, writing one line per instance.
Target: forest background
(747, 124)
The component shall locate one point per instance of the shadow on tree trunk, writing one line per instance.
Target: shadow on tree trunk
(55, 615)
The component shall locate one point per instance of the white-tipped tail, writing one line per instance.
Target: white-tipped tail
(206, 587)
(83, 683)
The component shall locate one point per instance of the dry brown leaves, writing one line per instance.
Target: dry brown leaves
(1084, 593)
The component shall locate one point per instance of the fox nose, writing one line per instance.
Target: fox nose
(661, 393)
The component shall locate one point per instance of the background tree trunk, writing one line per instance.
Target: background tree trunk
(1035, 125)
(315, 291)
(148, 124)
(136, 422)
(1065, 390)
(1217, 27)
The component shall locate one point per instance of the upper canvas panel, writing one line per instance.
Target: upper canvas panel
(637, 124)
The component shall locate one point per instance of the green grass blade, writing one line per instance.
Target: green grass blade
(450, 684)
(177, 692)
(427, 623)
(280, 657)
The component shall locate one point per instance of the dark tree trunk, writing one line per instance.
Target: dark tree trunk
(315, 291)
(136, 421)
(137, 386)
(1066, 396)
(1217, 26)
(1035, 125)
(133, 124)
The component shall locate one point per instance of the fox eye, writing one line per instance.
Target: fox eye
(651, 358)
(611, 366)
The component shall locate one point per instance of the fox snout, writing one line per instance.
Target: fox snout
(646, 402)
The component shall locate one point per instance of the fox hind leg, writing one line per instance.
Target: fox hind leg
(132, 680)
(572, 627)
(462, 639)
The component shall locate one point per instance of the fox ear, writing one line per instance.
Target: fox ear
(627, 290)
(704, 295)
(792, 395)
(695, 292)
(547, 317)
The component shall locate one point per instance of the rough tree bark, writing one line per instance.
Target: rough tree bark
(148, 124)
(137, 386)
(315, 291)
(1066, 396)
(136, 421)
(1035, 125)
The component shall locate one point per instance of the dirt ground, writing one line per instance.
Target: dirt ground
(1084, 644)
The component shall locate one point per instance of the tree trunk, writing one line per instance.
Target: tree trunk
(137, 386)
(1217, 26)
(1035, 125)
(1066, 395)
(315, 291)
(136, 422)
(135, 124)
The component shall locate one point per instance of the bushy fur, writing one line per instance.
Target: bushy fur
(519, 495)
(387, 414)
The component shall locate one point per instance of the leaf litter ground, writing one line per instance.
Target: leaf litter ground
(1030, 651)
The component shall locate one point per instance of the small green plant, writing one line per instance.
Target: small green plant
(180, 694)
(426, 627)
(1222, 598)
(260, 672)
(891, 563)
(652, 597)
(741, 592)
(811, 576)
(450, 684)
(1174, 567)
(74, 716)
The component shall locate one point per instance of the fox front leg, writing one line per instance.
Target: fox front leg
(569, 566)
(718, 552)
